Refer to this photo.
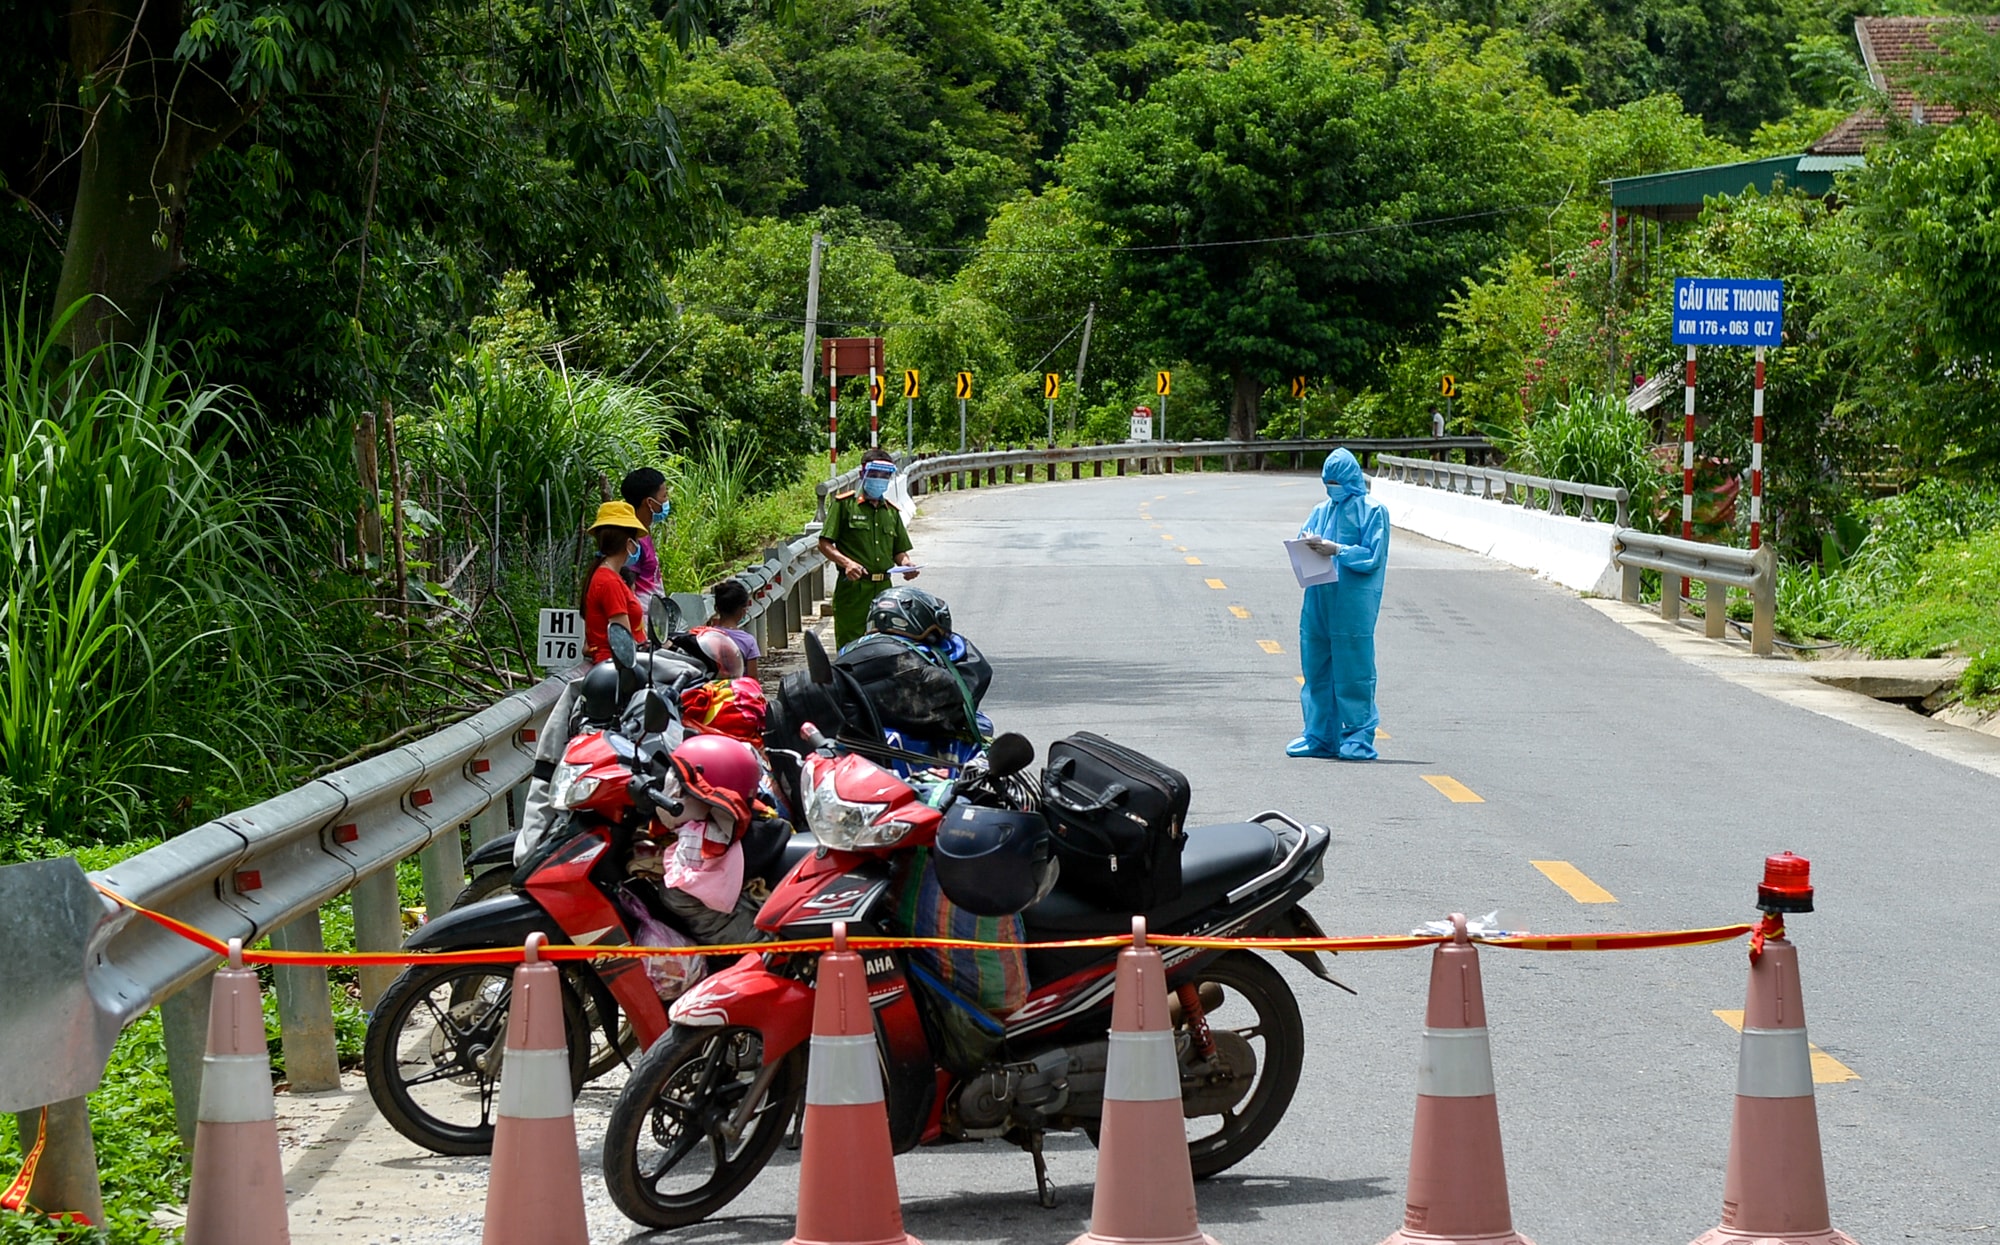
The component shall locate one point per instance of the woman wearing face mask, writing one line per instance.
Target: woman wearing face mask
(864, 536)
(645, 490)
(607, 595)
(1337, 620)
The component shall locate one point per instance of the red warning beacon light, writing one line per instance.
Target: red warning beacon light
(1787, 885)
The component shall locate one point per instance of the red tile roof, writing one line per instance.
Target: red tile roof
(1891, 48)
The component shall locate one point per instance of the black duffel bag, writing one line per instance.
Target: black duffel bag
(1120, 821)
(909, 690)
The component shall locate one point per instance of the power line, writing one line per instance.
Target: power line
(1384, 227)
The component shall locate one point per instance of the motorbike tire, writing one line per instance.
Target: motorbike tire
(468, 1009)
(484, 886)
(604, 1056)
(1252, 977)
(695, 1076)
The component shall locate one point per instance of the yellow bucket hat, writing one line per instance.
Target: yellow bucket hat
(617, 514)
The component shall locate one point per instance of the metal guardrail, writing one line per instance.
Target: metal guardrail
(969, 470)
(267, 870)
(1507, 486)
(1720, 567)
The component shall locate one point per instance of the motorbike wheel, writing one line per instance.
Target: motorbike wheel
(604, 1056)
(484, 886)
(668, 1158)
(1258, 1008)
(435, 1044)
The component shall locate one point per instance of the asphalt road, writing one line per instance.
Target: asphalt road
(1139, 608)
(1159, 611)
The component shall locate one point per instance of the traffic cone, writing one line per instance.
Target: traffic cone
(237, 1196)
(534, 1185)
(847, 1170)
(1458, 1175)
(1775, 1187)
(1145, 1183)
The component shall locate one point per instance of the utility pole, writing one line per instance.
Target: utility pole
(812, 319)
(1082, 357)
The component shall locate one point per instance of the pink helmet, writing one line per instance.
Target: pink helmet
(722, 772)
(721, 650)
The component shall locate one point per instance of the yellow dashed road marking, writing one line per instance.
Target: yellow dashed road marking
(1164, 536)
(1452, 789)
(1270, 646)
(1573, 881)
(1194, 561)
(1159, 497)
(1302, 682)
(1826, 1069)
(1217, 584)
(1239, 611)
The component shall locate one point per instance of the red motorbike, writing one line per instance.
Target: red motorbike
(707, 1106)
(436, 1037)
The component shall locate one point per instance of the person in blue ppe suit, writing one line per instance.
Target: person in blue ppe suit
(1337, 620)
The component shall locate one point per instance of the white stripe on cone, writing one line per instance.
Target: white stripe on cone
(235, 1089)
(842, 1072)
(1142, 1067)
(1774, 1063)
(1456, 1063)
(534, 1085)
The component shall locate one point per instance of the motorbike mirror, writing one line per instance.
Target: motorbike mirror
(659, 714)
(1009, 754)
(624, 650)
(819, 668)
(663, 617)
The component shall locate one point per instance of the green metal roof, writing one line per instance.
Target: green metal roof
(1680, 194)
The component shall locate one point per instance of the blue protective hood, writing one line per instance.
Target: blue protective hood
(1341, 470)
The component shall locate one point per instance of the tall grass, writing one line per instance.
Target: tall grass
(718, 521)
(1591, 439)
(134, 569)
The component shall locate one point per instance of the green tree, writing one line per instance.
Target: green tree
(1303, 204)
(122, 103)
(739, 130)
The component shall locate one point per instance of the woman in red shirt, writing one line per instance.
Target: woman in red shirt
(607, 594)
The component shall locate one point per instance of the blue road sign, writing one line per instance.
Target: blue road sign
(1726, 311)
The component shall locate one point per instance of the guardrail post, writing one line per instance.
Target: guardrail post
(1670, 599)
(378, 926)
(1097, 469)
(443, 862)
(1630, 579)
(491, 822)
(1715, 610)
(1764, 602)
(184, 1032)
(305, 1009)
(66, 1177)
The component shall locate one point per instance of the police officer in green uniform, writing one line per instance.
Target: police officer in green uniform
(864, 536)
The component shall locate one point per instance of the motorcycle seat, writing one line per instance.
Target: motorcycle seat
(1216, 860)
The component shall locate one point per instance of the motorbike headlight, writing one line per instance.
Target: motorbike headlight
(846, 825)
(568, 786)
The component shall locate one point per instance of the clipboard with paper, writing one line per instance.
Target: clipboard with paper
(1310, 566)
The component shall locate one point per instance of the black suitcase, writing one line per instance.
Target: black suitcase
(1119, 819)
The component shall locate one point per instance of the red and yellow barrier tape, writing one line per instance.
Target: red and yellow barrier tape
(1637, 940)
(15, 1196)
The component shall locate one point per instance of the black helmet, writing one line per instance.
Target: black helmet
(600, 694)
(994, 861)
(911, 613)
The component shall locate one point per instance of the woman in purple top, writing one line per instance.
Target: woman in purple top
(645, 490)
(732, 602)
